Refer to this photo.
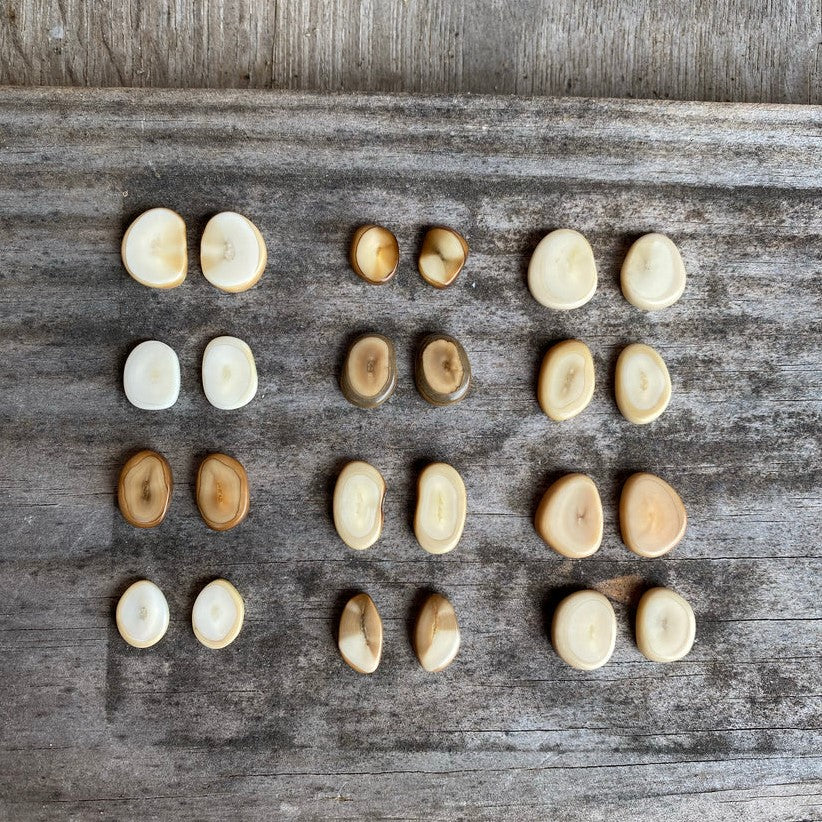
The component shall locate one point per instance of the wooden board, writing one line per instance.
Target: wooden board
(740, 50)
(276, 726)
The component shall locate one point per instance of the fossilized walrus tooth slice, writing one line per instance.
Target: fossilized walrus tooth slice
(232, 252)
(360, 635)
(154, 249)
(569, 517)
(653, 275)
(358, 500)
(142, 614)
(218, 614)
(441, 508)
(151, 376)
(566, 380)
(442, 256)
(144, 489)
(443, 373)
(583, 631)
(229, 373)
(374, 254)
(369, 374)
(643, 384)
(562, 273)
(652, 517)
(222, 492)
(665, 625)
(437, 634)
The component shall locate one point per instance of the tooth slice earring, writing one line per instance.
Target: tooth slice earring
(583, 631)
(358, 499)
(142, 614)
(442, 371)
(642, 385)
(218, 614)
(222, 492)
(653, 274)
(665, 625)
(437, 634)
(232, 252)
(154, 249)
(442, 256)
(229, 373)
(441, 508)
(374, 254)
(652, 516)
(566, 380)
(360, 634)
(369, 375)
(569, 517)
(151, 376)
(144, 489)
(562, 273)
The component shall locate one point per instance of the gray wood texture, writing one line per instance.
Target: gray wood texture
(738, 50)
(276, 726)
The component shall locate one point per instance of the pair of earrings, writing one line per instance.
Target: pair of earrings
(232, 250)
(584, 628)
(151, 375)
(145, 486)
(436, 634)
(217, 616)
(562, 273)
(439, 520)
(566, 382)
(375, 255)
(652, 516)
(442, 372)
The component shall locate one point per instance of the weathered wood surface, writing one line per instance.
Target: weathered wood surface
(277, 726)
(741, 50)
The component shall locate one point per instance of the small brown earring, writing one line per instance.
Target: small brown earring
(222, 492)
(144, 489)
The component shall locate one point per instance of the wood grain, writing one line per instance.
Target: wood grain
(738, 50)
(276, 726)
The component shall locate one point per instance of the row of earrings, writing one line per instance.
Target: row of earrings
(232, 251)
(583, 630)
(569, 517)
(442, 374)
(145, 486)
(143, 615)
